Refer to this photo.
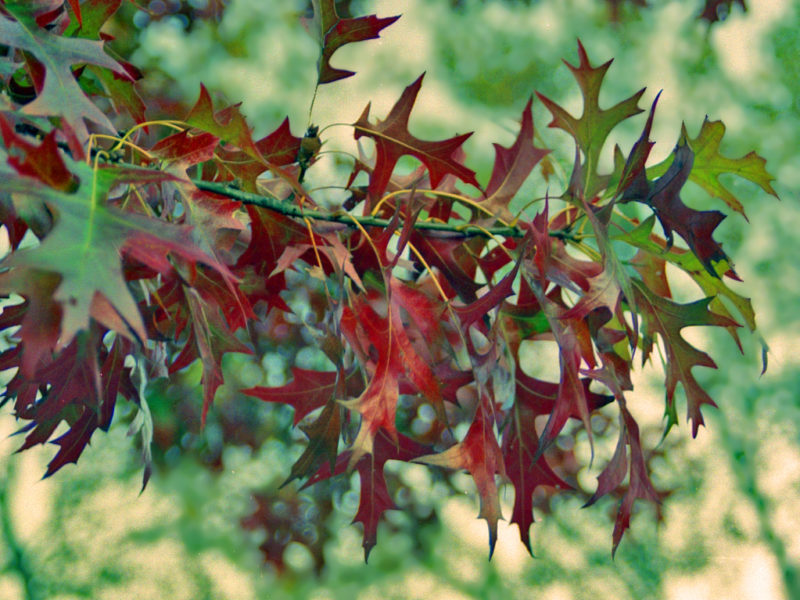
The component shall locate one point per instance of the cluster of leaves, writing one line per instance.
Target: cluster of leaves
(132, 255)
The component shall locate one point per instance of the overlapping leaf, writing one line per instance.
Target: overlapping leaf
(374, 499)
(412, 319)
(60, 95)
(480, 454)
(396, 359)
(639, 484)
(85, 249)
(393, 140)
(667, 318)
(209, 338)
(512, 166)
(307, 391)
(524, 469)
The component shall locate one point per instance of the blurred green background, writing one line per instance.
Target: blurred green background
(730, 527)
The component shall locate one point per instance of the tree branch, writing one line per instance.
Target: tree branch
(465, 230)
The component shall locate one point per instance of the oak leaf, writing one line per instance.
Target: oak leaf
(480, 454)
(85, 248)
(512, 166)
(393, 140)
(592, 128)
(60, 94)
(667, 318)
(525, 471)
(709, 164)
(374, 499)
(336, 32)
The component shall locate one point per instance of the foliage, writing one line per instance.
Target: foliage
(140, 247)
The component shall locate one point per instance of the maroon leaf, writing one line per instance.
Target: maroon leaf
(375, 498)
(512, 166)
(397, 359)
(306, 392)
(393, 140)
(695, 227)
(337, 32)
(209, 339)
(639, 484)
(525, 471)
(480, 454)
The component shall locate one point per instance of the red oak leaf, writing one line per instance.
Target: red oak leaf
(122, 90)
(653, 252)
(375, 498)
(572, 397)
(39, 317)
(209, 338)
(227, 124)
(426, 312)
(512, 166)
(540, 396)
(635, 163)
(277, 149)
(307, 391)
(42, 162)
(115, 379)
(455, 258)
(326, 245)
(336, 32)
(393, 140)
(480, 454)
(270, 234)
(475, 311)
(280, 147)
(709, 164)
(552, 263)
(524, 470)
(85, 248)
(323, 441)
(78, 394)
(695, 227)
(396, 359)
(185, 148)
(603, 292)
(612, 476)
(74, 441)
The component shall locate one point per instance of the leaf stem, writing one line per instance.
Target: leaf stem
(311, 106)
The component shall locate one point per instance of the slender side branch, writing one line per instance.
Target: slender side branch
(465, 230)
